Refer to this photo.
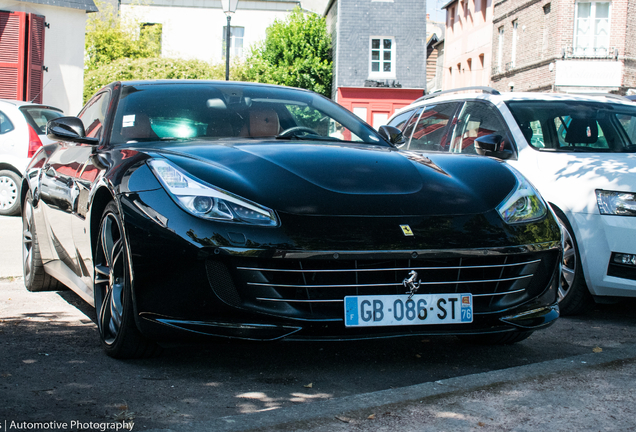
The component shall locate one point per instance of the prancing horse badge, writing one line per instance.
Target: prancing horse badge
(406, 230)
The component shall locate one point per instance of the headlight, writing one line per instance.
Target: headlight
(207, 201)
(523, 204)
(616, 203)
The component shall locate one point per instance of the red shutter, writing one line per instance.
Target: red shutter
(35, 59)
(12, 54)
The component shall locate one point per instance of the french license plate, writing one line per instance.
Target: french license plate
(396, 310)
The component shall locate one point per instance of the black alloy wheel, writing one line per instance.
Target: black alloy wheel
(35, 278)
(112, 290)
(574, 297)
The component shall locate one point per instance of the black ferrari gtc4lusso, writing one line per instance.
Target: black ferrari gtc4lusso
(220, 209)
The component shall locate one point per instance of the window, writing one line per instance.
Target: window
(5, 124)
(236, 41)
(38, 117)
(571, 126)
(591, 29)
(513, 55)
(382, 57)
(477, 119)
(94, 114)
(500, 50)
(400, 120)
(151, 34)
(431, 130)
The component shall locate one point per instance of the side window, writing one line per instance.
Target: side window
(432, 128)
(400, 120)
(5, 124)
(410, 125)
(94, 114)
(477, 119)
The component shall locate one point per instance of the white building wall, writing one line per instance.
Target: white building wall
(63, 53)
(197, 33)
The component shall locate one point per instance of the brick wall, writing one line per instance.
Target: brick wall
(545, 30)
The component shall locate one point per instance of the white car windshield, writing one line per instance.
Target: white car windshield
(577, 126)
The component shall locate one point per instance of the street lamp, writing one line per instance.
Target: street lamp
(229, 7)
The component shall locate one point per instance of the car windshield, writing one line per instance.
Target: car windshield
(219, 111)
(37, 117)
(575, 126)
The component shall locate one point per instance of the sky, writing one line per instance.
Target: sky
(433, 9)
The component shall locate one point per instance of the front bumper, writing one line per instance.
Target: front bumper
(598, 236)
(193, 279)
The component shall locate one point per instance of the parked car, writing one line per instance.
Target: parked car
(579, 151)
(22, 132)
(250, 211)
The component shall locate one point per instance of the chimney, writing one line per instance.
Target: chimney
(428, 17)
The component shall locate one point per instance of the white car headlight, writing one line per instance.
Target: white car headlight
(207, 201)
(616, 203)
(524, 204)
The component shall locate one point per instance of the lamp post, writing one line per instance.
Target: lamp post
(229, 7)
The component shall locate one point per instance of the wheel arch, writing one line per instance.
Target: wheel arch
(102, 197)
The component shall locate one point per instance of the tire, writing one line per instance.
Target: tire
(10, 186)
(508, 338)
(35, 278)
(574, 296)
(118, 332)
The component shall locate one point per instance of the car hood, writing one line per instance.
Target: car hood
(346, 179)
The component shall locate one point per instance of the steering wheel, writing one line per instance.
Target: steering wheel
(293, 130)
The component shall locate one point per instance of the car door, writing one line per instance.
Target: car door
(61, 189)
(93, 117)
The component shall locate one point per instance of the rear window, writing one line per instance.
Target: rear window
(38, 117)
(574, 126)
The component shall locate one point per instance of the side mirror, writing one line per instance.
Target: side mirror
(490, 145)
(68, 129)
(392, 135)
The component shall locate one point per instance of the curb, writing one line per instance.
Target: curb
(344, 406)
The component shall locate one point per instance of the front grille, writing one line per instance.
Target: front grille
(315, 288)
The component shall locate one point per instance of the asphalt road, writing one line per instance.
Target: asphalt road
(52, 367)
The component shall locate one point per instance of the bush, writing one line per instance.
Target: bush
(156, 68)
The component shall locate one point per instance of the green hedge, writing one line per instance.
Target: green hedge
(157, 68)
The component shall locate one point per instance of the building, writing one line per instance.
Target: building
(379, 55)
(467, 43)
(196, 29)
(434, 55)
(42, 51)
(564, 46)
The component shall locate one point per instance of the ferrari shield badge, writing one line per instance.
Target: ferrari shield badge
(406, 230)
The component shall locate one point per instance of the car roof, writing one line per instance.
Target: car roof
(19, 104)
(487, 93)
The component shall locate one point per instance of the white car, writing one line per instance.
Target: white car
(22, 132)
(580, 153)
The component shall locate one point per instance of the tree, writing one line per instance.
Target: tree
(109, 38)
(296, 52)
